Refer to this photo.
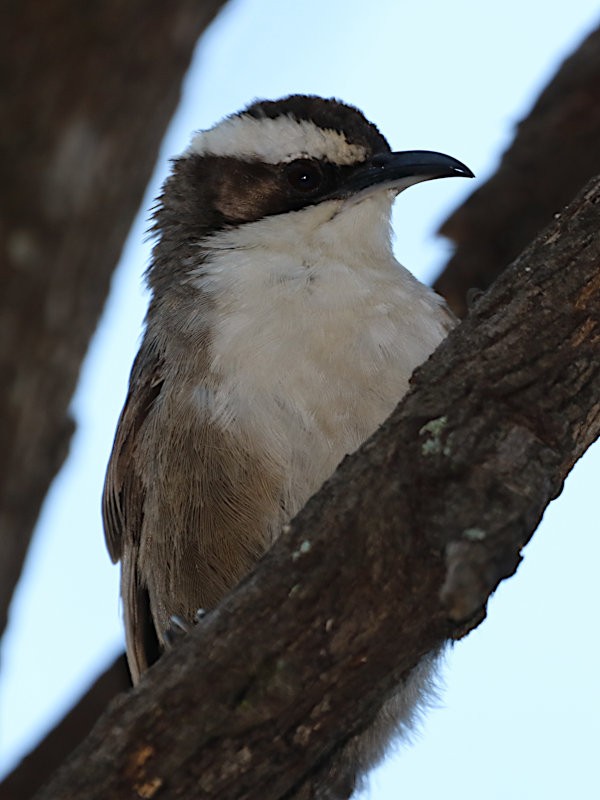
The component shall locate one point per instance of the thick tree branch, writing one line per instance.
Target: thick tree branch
(556, 150)
(90, 90)
(399, 551)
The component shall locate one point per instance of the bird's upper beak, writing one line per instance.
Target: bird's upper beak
(401, 170)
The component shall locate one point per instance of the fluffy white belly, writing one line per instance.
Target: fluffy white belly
(310, 369)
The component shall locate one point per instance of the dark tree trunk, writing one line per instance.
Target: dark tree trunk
(89, 90)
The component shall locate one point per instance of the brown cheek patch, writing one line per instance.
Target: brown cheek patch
(246, 192)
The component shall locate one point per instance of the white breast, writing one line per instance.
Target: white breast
(315, 334)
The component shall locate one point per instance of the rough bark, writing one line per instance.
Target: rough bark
(89, 90)
(424, 522)
(556, 150)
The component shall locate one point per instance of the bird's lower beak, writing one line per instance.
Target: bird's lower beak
(401, 170)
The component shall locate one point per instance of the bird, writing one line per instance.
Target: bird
(281, 332)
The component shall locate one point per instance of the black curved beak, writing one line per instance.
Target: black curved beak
(403, 169)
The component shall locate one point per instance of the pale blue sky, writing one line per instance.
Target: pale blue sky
(520, 713)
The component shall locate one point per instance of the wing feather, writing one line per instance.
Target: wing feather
(124, 493)
(123, 502)
(187, 509)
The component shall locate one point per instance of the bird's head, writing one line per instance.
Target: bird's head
(300, 162)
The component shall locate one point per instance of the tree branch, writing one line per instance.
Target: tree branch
(398, 552)
(556, 150)
(81, 121)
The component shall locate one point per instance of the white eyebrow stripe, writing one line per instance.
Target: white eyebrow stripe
(275, 141)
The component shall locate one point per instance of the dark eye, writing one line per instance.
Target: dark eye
(304, 176)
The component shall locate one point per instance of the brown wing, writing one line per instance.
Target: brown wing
(123, 509)
(187, 509)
